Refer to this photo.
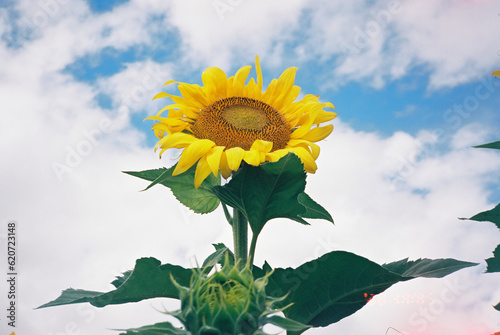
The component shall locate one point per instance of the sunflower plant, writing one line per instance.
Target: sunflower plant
(264, 144)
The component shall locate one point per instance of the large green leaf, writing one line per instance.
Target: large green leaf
(336, 285)
(148, 280)
(492, 145)
(201, 200)
(163, 328)
(267, 191)
(493, 215)
(493, 263)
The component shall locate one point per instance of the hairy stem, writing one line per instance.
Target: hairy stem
(253, 244)
(240, 237)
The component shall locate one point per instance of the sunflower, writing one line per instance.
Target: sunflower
(225, 121)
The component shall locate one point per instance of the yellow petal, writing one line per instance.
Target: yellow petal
(309, 146)
(225, 171)
(252, 157)
(170, 127)
(174, 98)
(177, 140)
(257, 152)
(230, 86)
(242, 74)
(214, 81)
(318, 133)
(306, 158)
(324, 116)
(166, 121)
(193, 95)
(259, 73)
(276, 155)
(202, 171)
(161, 95)
(234, 157)
(251, 90)
(189, 111)
(272, 157)
(284, 87)
(192, 154)
(262, 146)
(214, 159)
(305, 127)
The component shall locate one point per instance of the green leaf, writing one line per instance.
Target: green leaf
(493, 263)
(493, 215)
(164, 328)
(313, 209)
(267, 191)
(492, 145)
(148, 280)
(427, 268)
(286, 324)
(73, 296)
(201, 200)
(218, 256)
(337, 284)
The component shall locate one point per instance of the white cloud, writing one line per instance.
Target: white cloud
(214, 32)
(454, 38)
(382, 41)
(133, 88)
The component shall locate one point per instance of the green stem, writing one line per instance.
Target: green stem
(253, 244)
(240, 237)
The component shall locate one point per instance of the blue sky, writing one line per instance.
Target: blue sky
(412, 88)
(403, 104)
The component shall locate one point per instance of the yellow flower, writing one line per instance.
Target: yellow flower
(226, 121)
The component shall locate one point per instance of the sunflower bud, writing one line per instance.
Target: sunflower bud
(226, 302)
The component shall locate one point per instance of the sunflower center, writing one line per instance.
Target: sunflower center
(239, 121)
(245, 117)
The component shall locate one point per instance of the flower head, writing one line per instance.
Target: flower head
(226, 121)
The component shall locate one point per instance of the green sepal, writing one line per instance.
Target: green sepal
(163, 328)
(148, 280)
(218, 257)
(201, 200)
(337, 284)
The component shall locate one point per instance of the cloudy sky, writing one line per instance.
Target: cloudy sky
(411, 84)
